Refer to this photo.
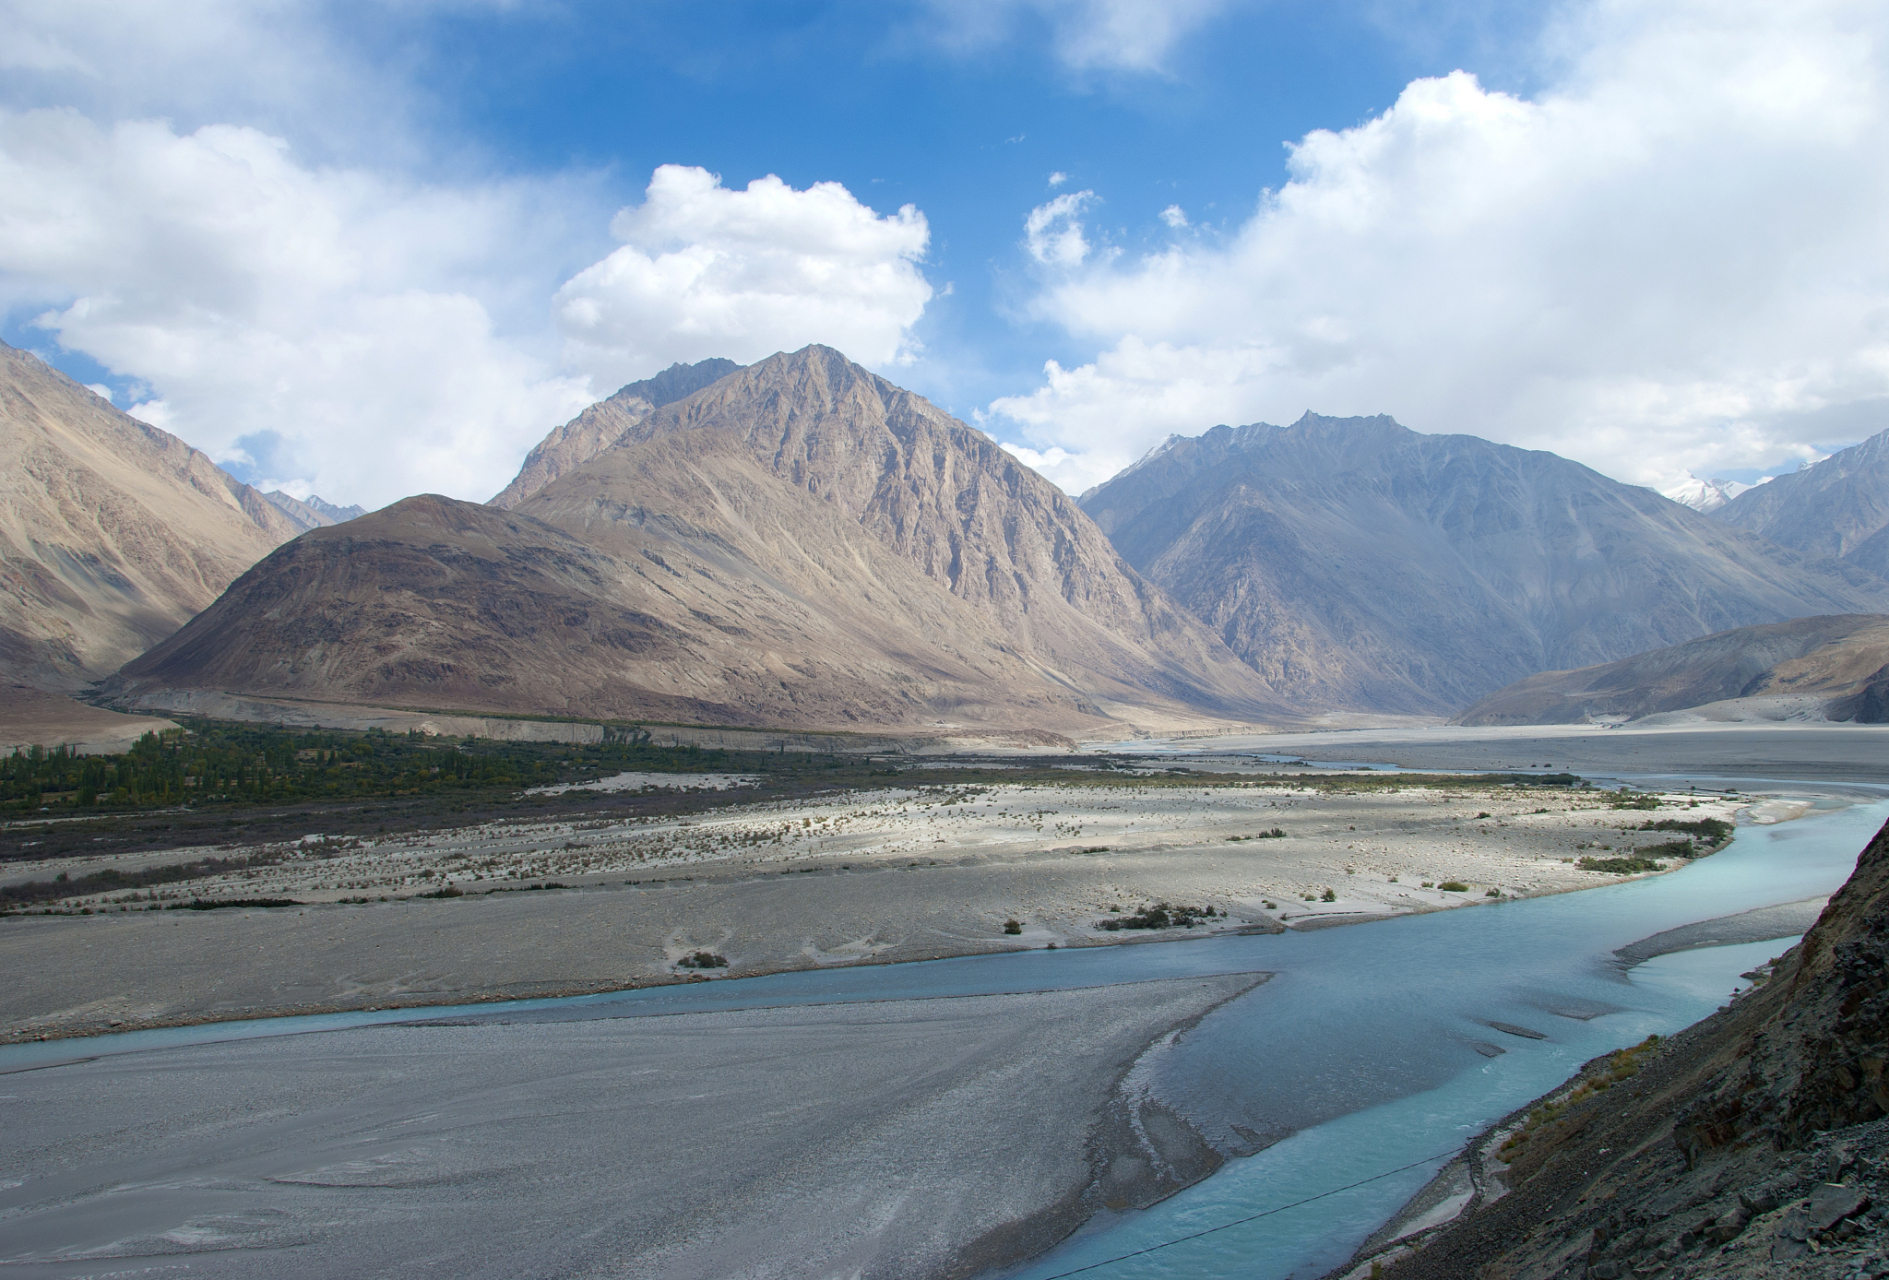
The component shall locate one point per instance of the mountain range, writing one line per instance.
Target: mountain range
(802, 543)
(1355, 563)
(799, 542)
(113, 533)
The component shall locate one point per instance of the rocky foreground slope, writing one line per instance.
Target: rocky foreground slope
(799, 544)
(1828, 668)
(1355, 563)
(112, 532)
(1754, 1144)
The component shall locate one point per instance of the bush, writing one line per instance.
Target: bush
(1159, 916)
(1493, 893)
(1620, 866)
(703, 960)
(1328, 896)
(1453, 886)
(1013, 926)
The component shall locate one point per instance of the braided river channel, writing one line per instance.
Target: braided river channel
(1360, 1068)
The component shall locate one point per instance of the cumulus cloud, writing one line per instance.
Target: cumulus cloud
(1174, 216)
(709, 271)
(1670, 259)
(1053, 232)
(1086, 35)
(305, 324)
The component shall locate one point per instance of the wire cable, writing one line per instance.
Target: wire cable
(1254, 1217)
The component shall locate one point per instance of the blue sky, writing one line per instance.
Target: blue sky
(368, 248)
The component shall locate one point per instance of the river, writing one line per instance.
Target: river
(1365, 1053)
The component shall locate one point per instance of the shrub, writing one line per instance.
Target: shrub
(1159, 916)
(1453, 886)
(1328, 896)
(1493, 893)
(703, 960)
(1620, 866)
(1013, 926)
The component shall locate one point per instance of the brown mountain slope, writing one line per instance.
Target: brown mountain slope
(1748, 1146)
(112, 532)
(800, 544)
(1840, 662)
(598, 427)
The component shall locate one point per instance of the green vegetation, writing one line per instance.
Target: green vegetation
(1601, 1075)
(1160, 916)
(1277, 833)
(703, 960)
(1630, 800)
(1013, 927)
(211, 762)
(1453, 886)
(1620, 866)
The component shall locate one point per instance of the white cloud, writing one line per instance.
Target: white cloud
(320, 325)
(709, 271)
(1086, 35)
(1671, 259)
(1058, 178)
(1174, 216)
(1053, 231)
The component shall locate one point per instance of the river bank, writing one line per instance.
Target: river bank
(538, 909)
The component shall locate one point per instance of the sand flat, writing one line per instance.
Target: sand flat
(899, 1139)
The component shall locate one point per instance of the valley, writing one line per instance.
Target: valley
(796, 870)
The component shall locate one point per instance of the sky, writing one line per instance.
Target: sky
(370, 248)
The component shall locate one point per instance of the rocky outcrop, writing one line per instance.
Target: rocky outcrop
(1355, 563)
(1832, 668)
(112, 532)
(600, 426)
(1754, 1144)
(801, 543)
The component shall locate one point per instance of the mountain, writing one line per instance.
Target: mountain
(598, 427)
(313, 513)
(1749, 1145)
(1838, 507)
(800, 543)
(1834, 668)
(112, 532)
(1355, 563)
(1704, 496)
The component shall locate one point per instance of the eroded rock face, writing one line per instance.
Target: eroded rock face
(1755, 1144)
(112, 532)
(800, 543)
(1356, 563)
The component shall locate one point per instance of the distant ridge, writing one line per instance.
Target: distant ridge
(600, 426)
(1355, 563)
(1838, 507)
(1831, 668)
(800, 543)
(112, 532)
(312, 513)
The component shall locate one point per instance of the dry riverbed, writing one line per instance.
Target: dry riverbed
(899, 873)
